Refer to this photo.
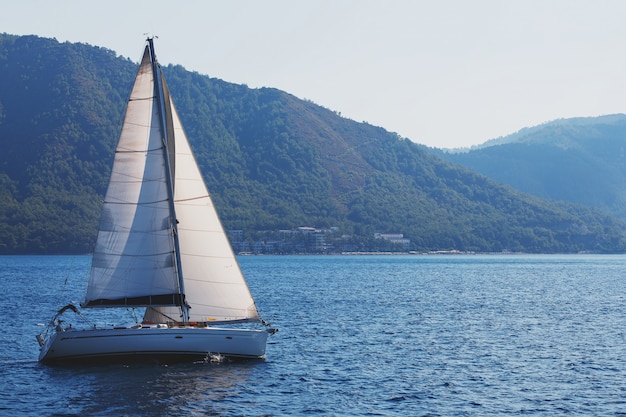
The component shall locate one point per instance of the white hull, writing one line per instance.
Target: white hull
(152, 342)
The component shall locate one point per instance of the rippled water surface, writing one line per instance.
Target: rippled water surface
(359, 335)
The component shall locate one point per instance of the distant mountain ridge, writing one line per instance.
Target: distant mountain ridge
(580, 160)
(270, 160)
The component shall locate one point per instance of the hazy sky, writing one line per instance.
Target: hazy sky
(445, 73)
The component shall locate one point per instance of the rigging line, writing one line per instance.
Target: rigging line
(131, 123)
(134, 313)
(142, 98)
(118, 227)
(144, 257)
(131, 179)
(191, 198)
(120, 150)
(137, 203)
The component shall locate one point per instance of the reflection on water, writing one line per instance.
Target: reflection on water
(145, 389)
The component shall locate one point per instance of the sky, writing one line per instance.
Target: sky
(444, 73)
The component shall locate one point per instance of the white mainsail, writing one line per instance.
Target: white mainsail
(133, 256)
(134, 262)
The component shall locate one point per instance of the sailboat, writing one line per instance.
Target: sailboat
(160, 246)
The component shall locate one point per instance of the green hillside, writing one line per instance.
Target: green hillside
(271, 161)
(580, 160)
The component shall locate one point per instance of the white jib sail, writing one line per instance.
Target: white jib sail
(214, 284)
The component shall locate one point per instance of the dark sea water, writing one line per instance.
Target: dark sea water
(359, 335)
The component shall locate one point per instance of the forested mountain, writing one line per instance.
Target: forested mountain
(580, 160)
(271, 161)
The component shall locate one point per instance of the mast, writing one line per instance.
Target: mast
(167, 144)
